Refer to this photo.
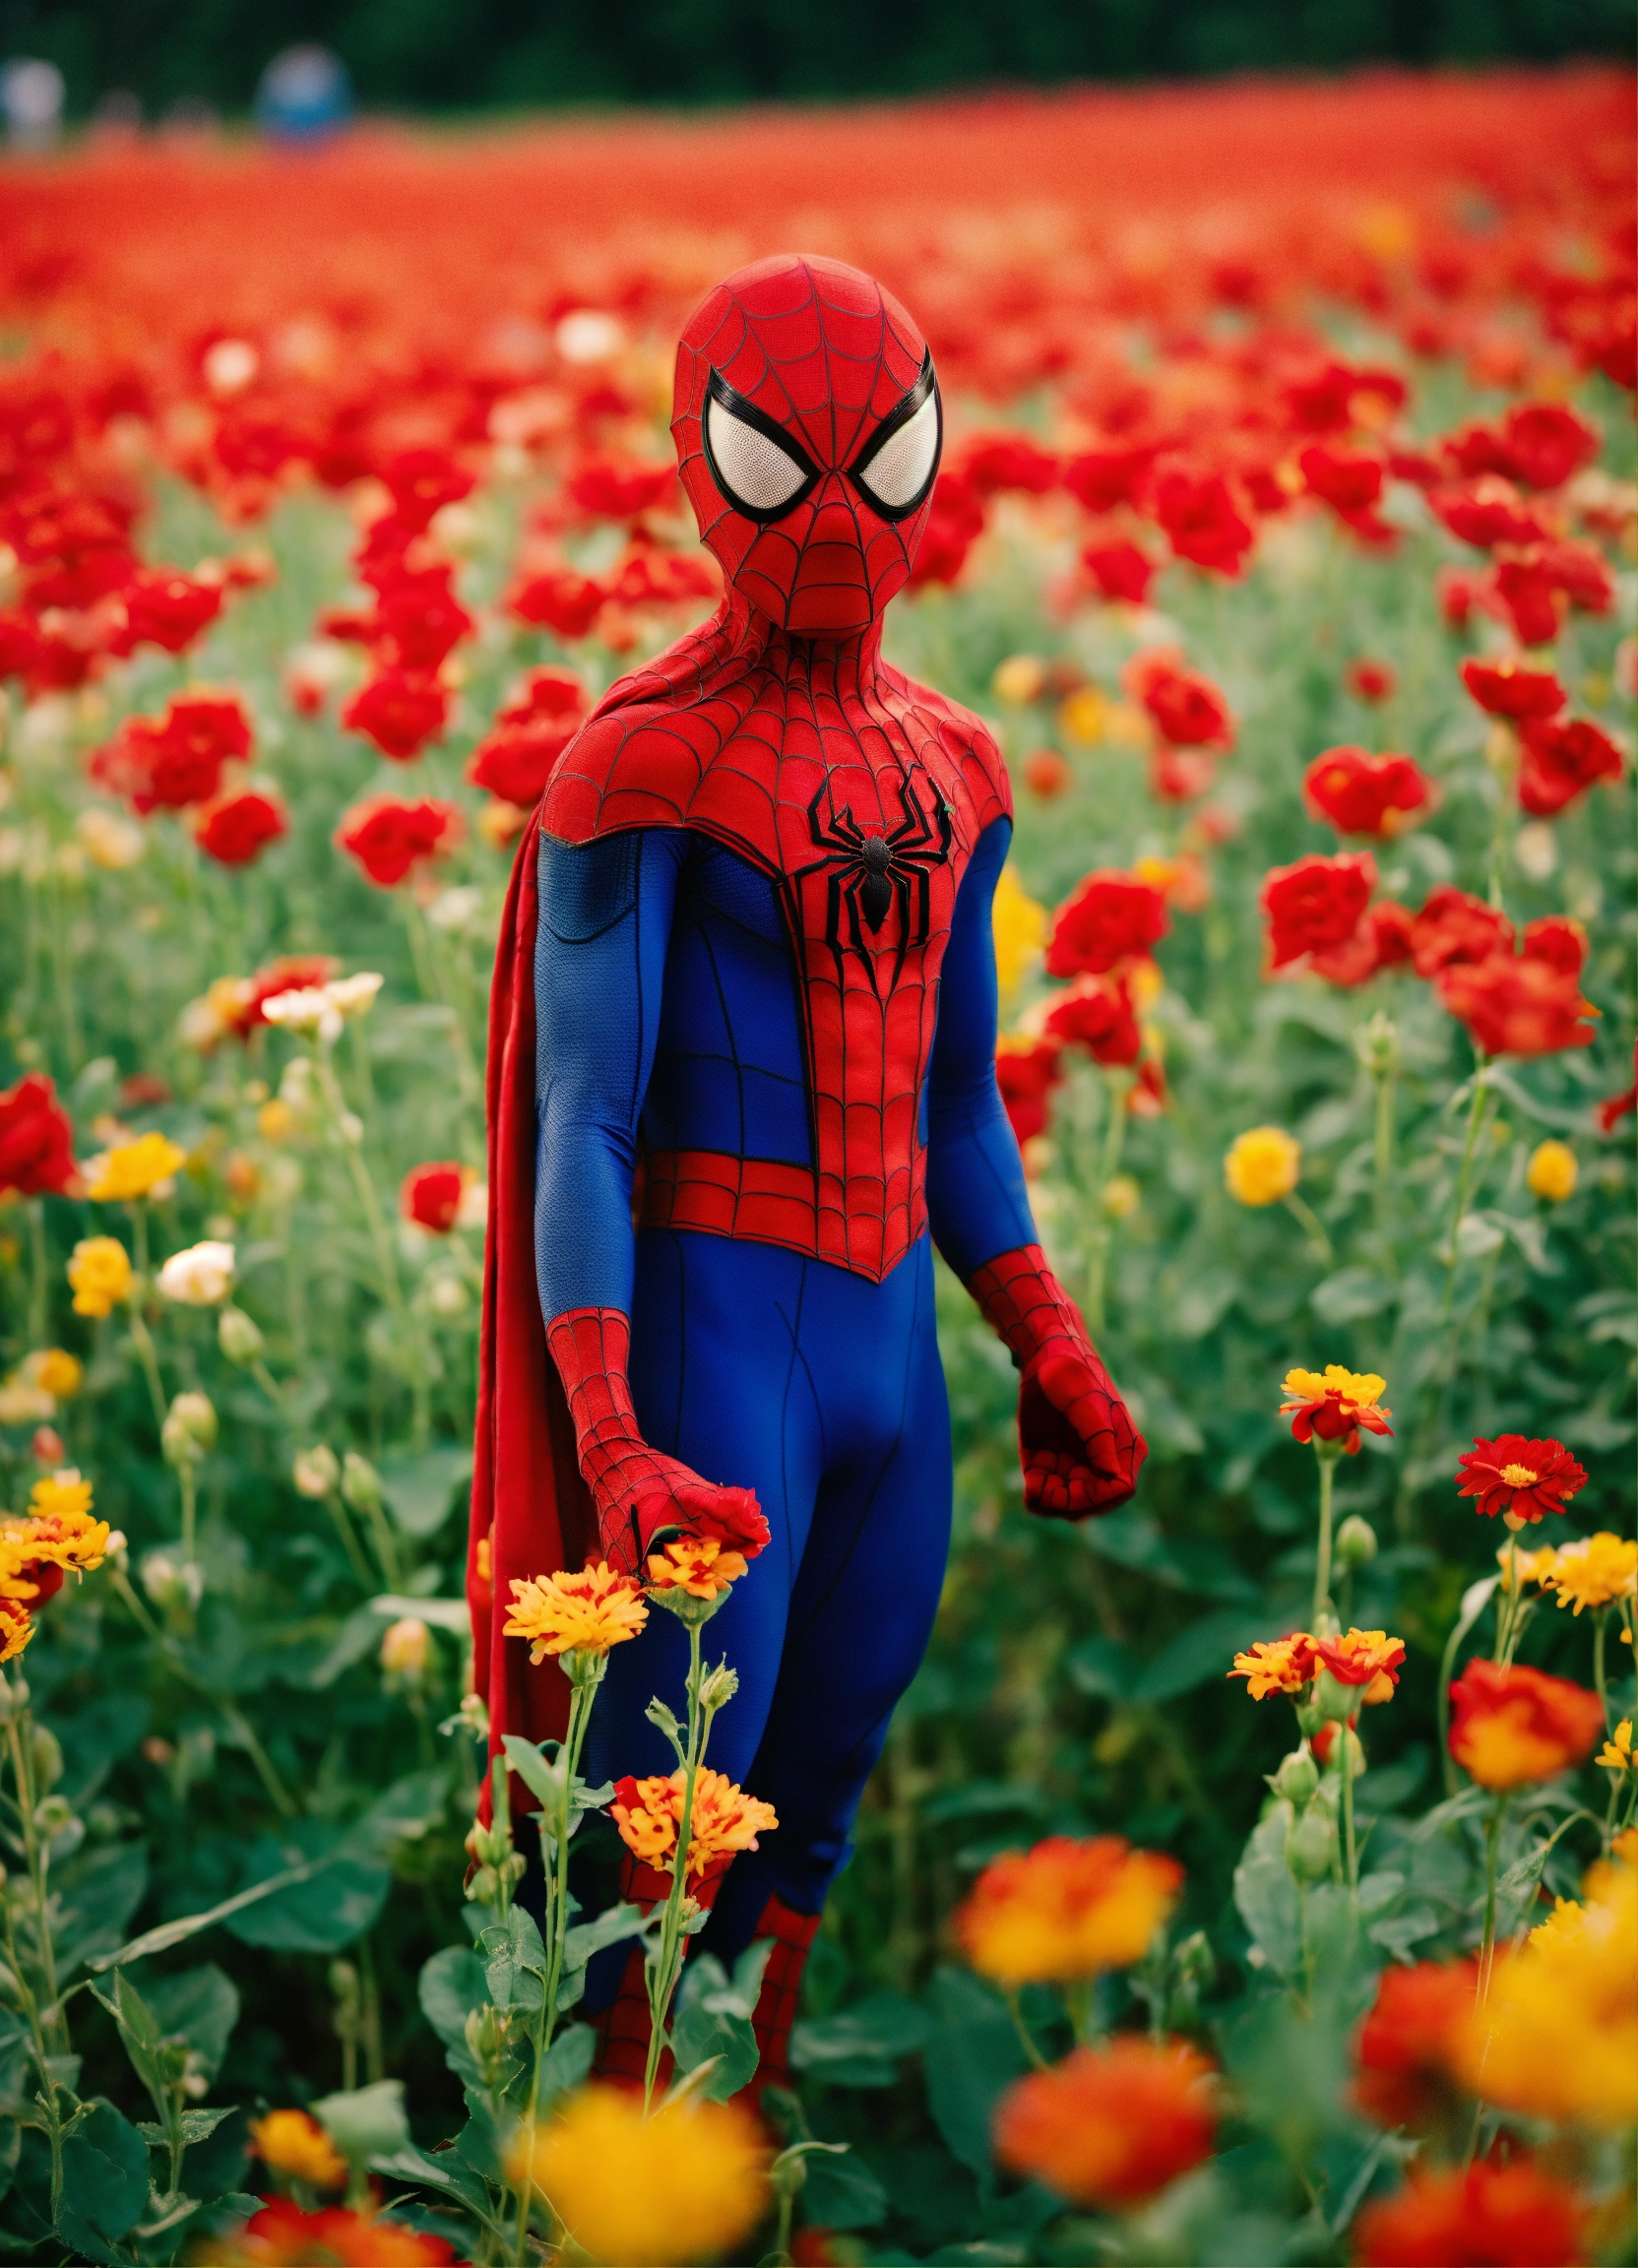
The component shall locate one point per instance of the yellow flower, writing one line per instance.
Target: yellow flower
(1121, 1197)
(1018, 680)
(15, 1627)
(1617, 1752)
(292, 2142)
(61, 1495)
(1594, 1571)
(1529, 1566)
(686, 2184)
(1562, 1923)
(57, 1371)
(58, 1532)
(1552, 1171)
(1020, 928)
(1066, 1909)
(576, 1614)
(1277, 1664)
(100, 1275)
(1558, 2036)
(648, 1813)
(1084, 716)
(276, 1121)
(697, 1564)
(1262, 1166)
(134, 1169)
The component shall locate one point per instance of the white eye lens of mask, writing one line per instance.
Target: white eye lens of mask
(902, 467)
(752, 470)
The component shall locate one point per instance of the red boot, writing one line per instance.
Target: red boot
(781, 1984)
(623, 2026)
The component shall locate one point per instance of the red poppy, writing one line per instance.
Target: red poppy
(514, 760)
(1511, 2216)
(421, 482)
(1558, 941)
(1364, 794)
(36, 1139)
(1530, 594)
(559, 599)
(1508, 689)
(170, 609)
(1347, 479)
(1106, 918)
(1381, 941)
(400, 710)
(420, 621)
(1100, 478)
(1513, 1006)
(1454, 926)
(545, 692)
(1180, 774)
(1187, 709)
(1512, 1728)
(1026, 1072)
(1120, 571)
(1200, 520)
(169, 762)
(1486, 511)
(1315, 904)
(1403, 2044)
(1579, 572)
(1547, 443)
(619, 487)
(430, 1196)
(1096, 1015)
(1149, 1097)
(993, 462)
(388, 837)
(1369, 680)
(240, 827)
(955, 522)
(1515, 1474)
(1561, 760)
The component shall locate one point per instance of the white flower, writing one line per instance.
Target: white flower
(355, 995)
(473, 1211)
(109, 839)
(455, 909)
(308, 1010)
(199, 1277)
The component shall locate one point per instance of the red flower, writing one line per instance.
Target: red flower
(1106, 918)
(1100, 478)
(238, 829)
(619, 487)
(1046, 773)
(992, 462)
(283, 2236)
(1369, 680)
(36, 1139)
(1507, 689)
(1486, 511)
(1618, 1107)
(430, 1196)
(1517, 1476)
(418, 620)
(1026, 1072)
(1180, 774)
(1511, 1728)
(421, 482)
(545, 692)
(1315, 904)
(1187, 709)
(1364, 794)
(170, 609)
(559, 599)
(955, 522)
(1345, 478)
(1517, 1007)
(1560, 761)
(1547, 443)
(1120, 571)
(1558, 941)
(1098, 1016)
(1109, 2125)
(1333, 1404)
(1579, 572)
(1362, 1658)
(514, 760)
(1381, 941)
(388, 837)
(1148, 1096)
(167, 763)
(1200, 521)
(400, 710)
(1454, 926)
(1402, 2045)
(290, 973)
(1487, 2216)
(1530, 594)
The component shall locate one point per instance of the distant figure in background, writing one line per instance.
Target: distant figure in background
(304, 96)
(32, 100)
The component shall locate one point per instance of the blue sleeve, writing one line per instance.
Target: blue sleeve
(976, 1201)
(600, 969)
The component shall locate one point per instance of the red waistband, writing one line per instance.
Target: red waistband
(770, 1202)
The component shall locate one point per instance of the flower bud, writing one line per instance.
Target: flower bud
(238, 1335)
(1334, 1699)
(316, 1470)
(404, 1650)
(1376, 1046)
(1355, 1542)
(189, 1430)
(360, 1483)
(46, 1447)
(1310, 1848)
(1351, 1758)
(172, 1583)
(1298, 1779)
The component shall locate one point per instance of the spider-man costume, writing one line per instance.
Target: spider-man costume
(748, 945)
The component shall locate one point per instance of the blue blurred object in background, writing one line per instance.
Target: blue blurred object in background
(304, 96)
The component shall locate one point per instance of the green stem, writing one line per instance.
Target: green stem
(190, 1501)
(280, 1795)
(36, 1858)
(1493, 1846)
(1384, 1162)
(38, 1306)
(1600, 1615)
(1301, 1211)
(142, 1340)
(1464, 1182)
(1114, 1135)
(1024, 2037)
(662, 1978)
(351, 1544)
(1322, 1562)
(1350, 1852)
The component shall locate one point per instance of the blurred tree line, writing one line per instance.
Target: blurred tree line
(468, 54)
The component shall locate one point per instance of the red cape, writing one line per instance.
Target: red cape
(530, 1506)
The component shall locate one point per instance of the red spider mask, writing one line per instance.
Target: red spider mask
(808, 428)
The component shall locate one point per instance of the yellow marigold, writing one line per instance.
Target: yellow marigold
(1066, 1909)
(1333, 1404)
(292, 2142)
(100, 1275)
(1262, 1166)
(1552, 1171)
(55, 1372)
(15, 1627)
(134, 1169)
(1277, 1664)
(697, 1564)
(586, 1613)
(648, 1813)
(1084, 716)
(1594, 1571)
(59, 1531)
(686, 2184)
(1564, 1922)
(1617, 1752)
(1527, 1566)
(1558, 2036)
(1020, 926)
(62, 1496)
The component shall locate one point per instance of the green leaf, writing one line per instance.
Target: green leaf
(864, 2045)
(444, 2169)
(101, 1889)
(841, 2193)
(365, 2123)
(515, 1961)
(1199, 1653)
(158, 2071)
(539, 1774)
(197, 2126)
(170, 1934)
(711, 2023)
(567, 2062)
(11, 2143)
(310, 1915)
(452, 1984)
(972, 2055)
(1268, 1899)
(1352, 1294)
(200, 2006)
(608, 1929)
(104, 2181)
(421, 1489)
(1103, 1668)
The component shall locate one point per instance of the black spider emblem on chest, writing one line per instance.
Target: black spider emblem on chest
(867, 874)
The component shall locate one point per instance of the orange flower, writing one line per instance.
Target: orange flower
(283, 2236)
(586, 1612)
(1367, 1657)
(1331, 1405)
(1403, 2049)
(1513, 1727)
(15, 1627)
(1109, 2125)
(1508, 2213)
(1277, 1664)
(648, 1813)
(697, 1564)
(1066, 1909)
(294, 2142)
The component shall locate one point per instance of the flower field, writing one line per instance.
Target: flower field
(1252, 1872)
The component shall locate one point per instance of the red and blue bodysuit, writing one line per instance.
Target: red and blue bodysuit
(747, 968)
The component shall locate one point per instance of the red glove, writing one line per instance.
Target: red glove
(635, 1491)
(1081, 1451)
